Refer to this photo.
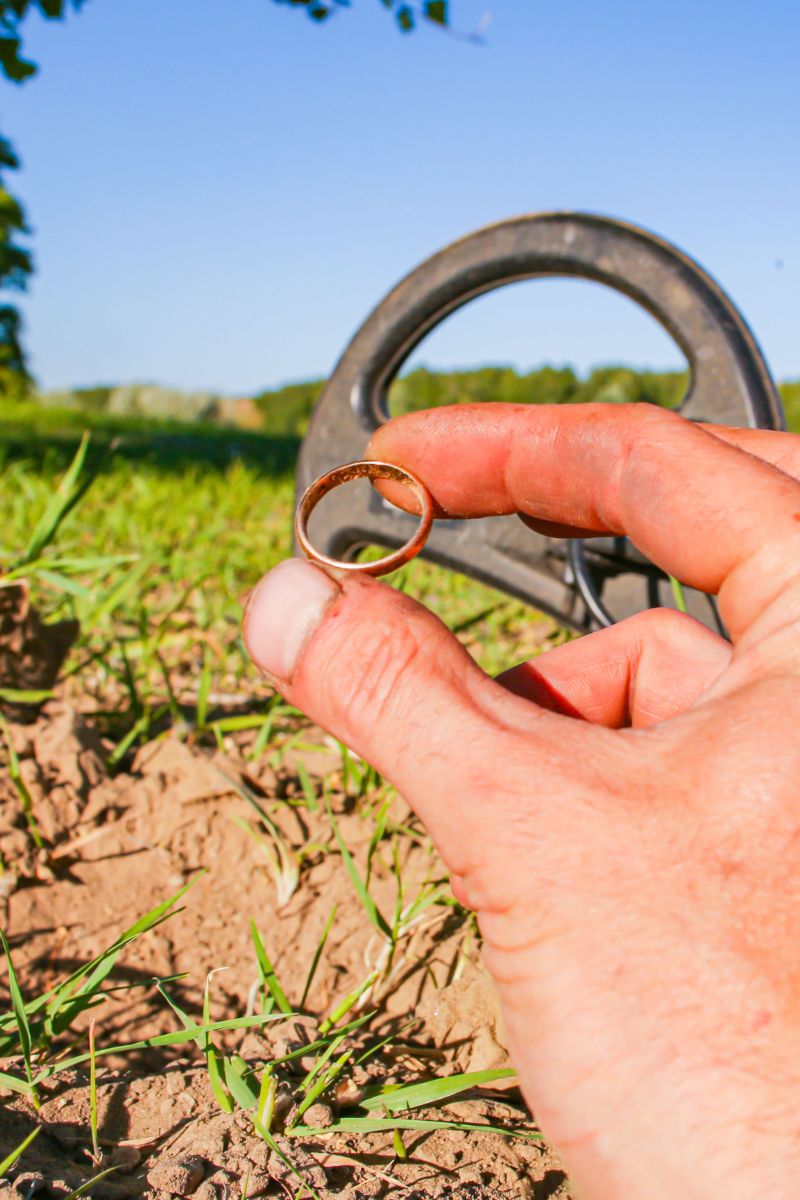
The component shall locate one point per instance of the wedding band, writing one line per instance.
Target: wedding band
(365, 470)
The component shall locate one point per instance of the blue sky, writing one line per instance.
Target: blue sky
(221, 192)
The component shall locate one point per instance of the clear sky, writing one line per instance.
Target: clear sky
(221, 191)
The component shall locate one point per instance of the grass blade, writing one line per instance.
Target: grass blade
(321, 1042)
(25, 798)
(214, 1059)
(65, 497)
(96, 1156)
(260, 744)
(117, 594)
(21, 1017)
(63, 583)
(323, 1083)
(307, 786)
(368, 904)
(63, 1005)
(264, 1133)
(320, 1061)
(678, 594)
(15, 696)
(87, 1187)
(317, 956)
(266, 972)
(203, 690)
(87, 563)
(283, 862)
(179, 1037)
(350, 999)
(389, 1124)
(11, 1158)
(13, 1084)
(266, 1098)
(432, 1091)
(240, 1081)
(216, 1063)
(378, 834)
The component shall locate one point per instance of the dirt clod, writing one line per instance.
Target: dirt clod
(178, 1176)
(319, 1116)
(31, 653)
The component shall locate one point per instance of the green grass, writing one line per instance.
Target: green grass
(37, 1040)
(153, 545)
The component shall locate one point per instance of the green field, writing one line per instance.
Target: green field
(173, 526)
(174, 521)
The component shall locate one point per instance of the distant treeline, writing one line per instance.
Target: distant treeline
(291, 406)
(285, 411)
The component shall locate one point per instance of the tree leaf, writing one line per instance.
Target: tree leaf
(405, 18)
(12, 66)
(436, 10)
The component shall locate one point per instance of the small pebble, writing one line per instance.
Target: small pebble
(318, 1116)
(348, 1093)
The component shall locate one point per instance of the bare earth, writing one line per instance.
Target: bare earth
(120, 843)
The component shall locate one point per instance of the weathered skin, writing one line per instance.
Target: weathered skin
(636, 873)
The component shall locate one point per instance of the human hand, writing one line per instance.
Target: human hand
(636, 874)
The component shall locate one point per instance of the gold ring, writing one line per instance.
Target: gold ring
(365, 470)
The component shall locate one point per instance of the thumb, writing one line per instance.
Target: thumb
(387, 678)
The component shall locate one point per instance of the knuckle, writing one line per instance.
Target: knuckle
(649, 440)
(663, 624)
(368, 668)
(645, 428)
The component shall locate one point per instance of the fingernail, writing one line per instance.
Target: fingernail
(282, 613)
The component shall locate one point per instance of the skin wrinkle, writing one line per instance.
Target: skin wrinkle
(622, 478)
(644, 481)
(776, 656)
(754, 635)
(375, 691)
(507, 711)
(522, 454)
(763, 445)
(654, 657)
(634, 669)
(378, 694)
(506, 473)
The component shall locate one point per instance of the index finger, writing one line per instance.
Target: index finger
(699, 507)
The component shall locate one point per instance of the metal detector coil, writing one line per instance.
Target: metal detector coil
(583, 584)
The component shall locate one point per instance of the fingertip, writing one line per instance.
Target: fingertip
(282, 612)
